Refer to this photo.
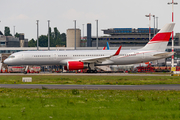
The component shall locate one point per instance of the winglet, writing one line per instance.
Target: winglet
(104, 48)
(118, 51)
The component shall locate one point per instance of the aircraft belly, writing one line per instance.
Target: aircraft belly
(40, 61)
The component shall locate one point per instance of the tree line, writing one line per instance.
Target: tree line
(56, 39)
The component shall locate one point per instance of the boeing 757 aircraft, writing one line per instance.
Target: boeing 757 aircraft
(80, 59)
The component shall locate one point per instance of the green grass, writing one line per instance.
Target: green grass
(43, 104)
(92, 80)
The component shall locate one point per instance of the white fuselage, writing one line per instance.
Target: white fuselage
(62, 57)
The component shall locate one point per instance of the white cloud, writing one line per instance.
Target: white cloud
(94, 16)
(73, 14)
(19, 17)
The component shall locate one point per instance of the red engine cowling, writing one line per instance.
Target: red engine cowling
(75, 65)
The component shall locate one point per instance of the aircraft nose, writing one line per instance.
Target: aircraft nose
(6, 61)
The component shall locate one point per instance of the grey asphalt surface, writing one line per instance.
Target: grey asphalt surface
(88, 74)
(93, 87)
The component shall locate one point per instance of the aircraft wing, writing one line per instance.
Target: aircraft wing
(164, 54)
(100, 59)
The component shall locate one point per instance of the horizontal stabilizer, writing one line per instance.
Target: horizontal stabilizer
(164, 54)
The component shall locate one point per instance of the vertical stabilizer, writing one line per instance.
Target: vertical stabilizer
(107, 46)
(160, 40)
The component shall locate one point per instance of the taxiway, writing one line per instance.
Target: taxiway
(93, 87)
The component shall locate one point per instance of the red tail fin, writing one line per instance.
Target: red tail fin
(160, 40)
(118, 51)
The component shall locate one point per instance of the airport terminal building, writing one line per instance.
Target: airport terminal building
(11, 41)
(128, 37)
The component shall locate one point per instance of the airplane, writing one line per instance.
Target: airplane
(107, 44)
(80, 59)
(104, 48)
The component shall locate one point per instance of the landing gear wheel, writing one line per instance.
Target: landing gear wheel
(25, 72)
(91, 71)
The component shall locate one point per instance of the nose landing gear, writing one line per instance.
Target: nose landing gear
(25, 71)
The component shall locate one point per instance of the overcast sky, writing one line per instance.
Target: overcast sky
(111, 14)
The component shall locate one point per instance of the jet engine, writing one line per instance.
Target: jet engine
(76, 65)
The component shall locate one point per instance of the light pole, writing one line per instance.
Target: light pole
(14, 30)
(0, 21)
(37, 35)
(97, 35)
(156, 24)
(83, 31)
(48, 35)
(75, 34)
(150, 24)
(173, 3)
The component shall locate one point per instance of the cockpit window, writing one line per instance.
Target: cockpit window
(11, 56)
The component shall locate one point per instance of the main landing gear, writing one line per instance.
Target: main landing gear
(91, 71)
(92, 68)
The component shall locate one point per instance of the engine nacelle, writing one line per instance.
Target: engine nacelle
(76, 65)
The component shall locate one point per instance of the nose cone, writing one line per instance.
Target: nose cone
(7, 61)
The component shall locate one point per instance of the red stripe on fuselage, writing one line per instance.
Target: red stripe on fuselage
(161, 37)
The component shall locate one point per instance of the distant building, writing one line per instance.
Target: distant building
(22, 41)
(128, 37)
(89, 42)
(70, 37)
(11, 41)
(125, 37)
